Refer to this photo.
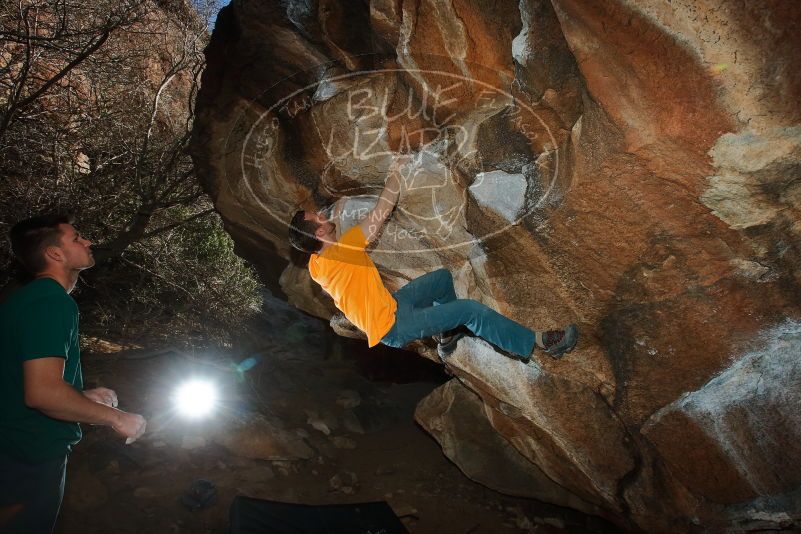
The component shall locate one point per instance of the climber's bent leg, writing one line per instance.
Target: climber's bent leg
(432, 288)
(417, 323)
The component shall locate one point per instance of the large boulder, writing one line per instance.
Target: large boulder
(458, 419)
(631, 167)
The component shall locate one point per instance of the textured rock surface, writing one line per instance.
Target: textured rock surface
(263, 439)
(456, 418)
(632, 167)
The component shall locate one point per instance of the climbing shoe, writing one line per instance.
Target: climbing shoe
(446, 343)
(558, 342)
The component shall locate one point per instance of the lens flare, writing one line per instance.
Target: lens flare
(195, 398)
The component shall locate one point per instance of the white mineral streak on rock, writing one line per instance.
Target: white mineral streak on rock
(738, 202)
(463, 280)
(477, 260)
(750, 151)
(520, 44)
(501, 192)
(404, 49)
(492, 367)
(734, 408)
(454, 35)
(325, 90)
(751, 186)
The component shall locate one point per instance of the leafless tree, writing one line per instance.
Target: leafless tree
(97, 106)
(45, 40)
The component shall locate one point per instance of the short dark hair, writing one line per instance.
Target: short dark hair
(301, 234)
(30, 237)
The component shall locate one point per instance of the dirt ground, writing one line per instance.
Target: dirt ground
(349, 411)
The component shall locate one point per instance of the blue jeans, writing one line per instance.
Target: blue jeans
(428, 306)
(30, 495)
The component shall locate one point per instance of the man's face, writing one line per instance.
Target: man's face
(326, 227)
(76, 251)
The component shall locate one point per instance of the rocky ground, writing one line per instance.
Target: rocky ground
(318, 420)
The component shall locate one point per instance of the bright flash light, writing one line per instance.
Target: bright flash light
(195, 398)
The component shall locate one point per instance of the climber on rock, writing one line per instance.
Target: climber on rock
(426, 306)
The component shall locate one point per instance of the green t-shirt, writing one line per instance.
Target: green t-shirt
(38, 320)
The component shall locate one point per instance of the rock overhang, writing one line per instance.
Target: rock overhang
(647, 195)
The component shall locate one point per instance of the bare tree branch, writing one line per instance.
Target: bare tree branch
(173, 226)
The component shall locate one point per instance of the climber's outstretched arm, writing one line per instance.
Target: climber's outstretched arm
(371, 225)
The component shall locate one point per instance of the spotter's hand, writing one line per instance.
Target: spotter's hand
(102, 395)
(130, 425)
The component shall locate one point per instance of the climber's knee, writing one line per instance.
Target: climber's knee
(443, 274)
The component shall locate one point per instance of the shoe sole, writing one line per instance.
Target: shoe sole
(570, 331)
(446, 349)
